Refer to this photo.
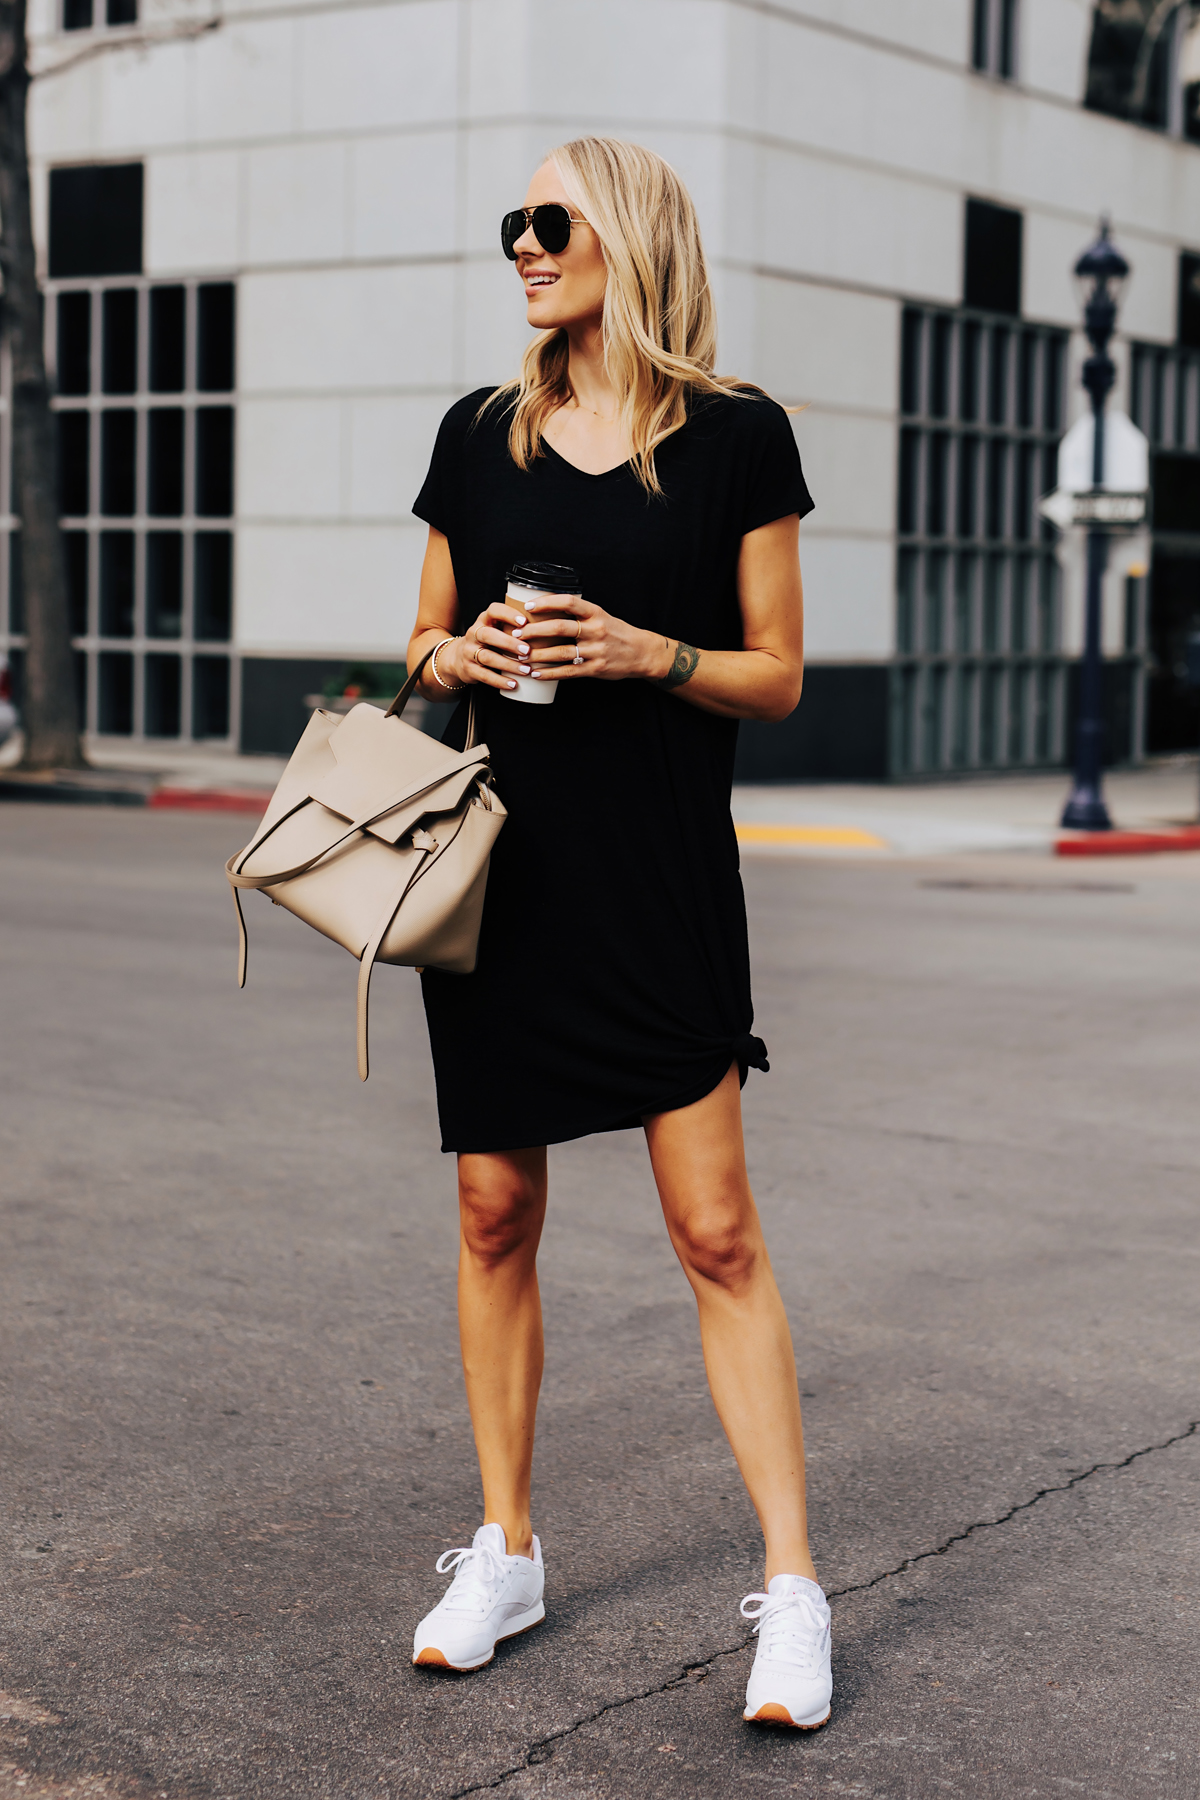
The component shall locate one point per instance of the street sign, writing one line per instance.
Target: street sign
(1120, 502)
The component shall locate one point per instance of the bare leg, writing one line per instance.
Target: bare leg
(700, 1168)
(502, 1205)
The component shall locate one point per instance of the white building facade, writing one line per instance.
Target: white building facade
(271, 241)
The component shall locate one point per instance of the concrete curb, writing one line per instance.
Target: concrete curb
(1128, 843)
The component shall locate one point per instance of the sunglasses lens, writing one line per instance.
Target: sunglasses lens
(512, 226)
(552, 228)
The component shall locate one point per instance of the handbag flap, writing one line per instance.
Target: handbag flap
(380, 761)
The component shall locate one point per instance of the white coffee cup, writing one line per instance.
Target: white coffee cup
(528, 581)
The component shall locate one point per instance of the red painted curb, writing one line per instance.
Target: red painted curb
(242, 800)
(1128, 843)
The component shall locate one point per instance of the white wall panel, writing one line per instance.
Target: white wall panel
(849, 585)
(1148, 306)
(244, 78)
(850, 466)
(497, 56)
(940, 28)
(496, 332)
(296, 203)
(1052, 246)
(361, 329)
(64, 113)
(328, 589)
(849, 98)
(192, 209)
(142, 97)
(824, 344)
(628, 61)
(289, 459)
(373, 66)
(390, 442)
(861, 226)
(403, 199)
(1054, 36)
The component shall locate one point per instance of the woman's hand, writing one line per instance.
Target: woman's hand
(486, 655)
(589, 642)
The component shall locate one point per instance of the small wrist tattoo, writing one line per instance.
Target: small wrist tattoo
(683, 667)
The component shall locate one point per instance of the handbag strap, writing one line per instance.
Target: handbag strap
(366, 964)
(406, 693)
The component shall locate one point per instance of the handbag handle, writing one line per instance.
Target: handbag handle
(406, 693)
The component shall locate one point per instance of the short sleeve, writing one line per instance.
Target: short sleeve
(442, 492)
(774, 486)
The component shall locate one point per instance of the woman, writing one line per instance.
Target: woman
(677, 497)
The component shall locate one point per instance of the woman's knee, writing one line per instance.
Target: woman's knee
(720, 1244)
(501, 1205)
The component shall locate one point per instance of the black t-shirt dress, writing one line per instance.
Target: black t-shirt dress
(613, 978)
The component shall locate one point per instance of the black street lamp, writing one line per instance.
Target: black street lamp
(1099, 270)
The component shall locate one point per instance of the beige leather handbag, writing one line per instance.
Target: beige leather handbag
(379, 837)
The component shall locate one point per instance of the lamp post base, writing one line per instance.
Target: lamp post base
(1085, 811)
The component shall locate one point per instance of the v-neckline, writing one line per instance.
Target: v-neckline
(588, 474)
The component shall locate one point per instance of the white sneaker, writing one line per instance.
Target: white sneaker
(791, 1682)
(493, 1596)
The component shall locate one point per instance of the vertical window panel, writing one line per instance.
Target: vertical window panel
(213, 586)
(210, 697)
(164, 584)
(118, 462)
(75, 547)
(939, 367)
(971, 342)
(906, 619)
(214, 462)
(118, 356)
(937, 472)
(116, 692)
(73, 348)
(215, 338)
(117, 554)
(168, 317)
(164, 692)
(164, 472)
(910, 362)
(74, 463)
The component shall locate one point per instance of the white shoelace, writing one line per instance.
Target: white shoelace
(478, 1570)
(792, 1627)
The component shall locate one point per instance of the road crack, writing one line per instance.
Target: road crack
(542, 1748)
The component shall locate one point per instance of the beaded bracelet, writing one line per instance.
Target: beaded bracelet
(451, 687)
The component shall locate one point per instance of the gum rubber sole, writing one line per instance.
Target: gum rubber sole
(429, 1658)
(771, 1713)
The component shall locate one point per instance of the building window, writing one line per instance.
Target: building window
(994, 38)
(96, 220)
(1165, 403)
(1188, 327)
(1142, 64)
(992, 258)
(83, 15)
(145, 413)
(979, 679)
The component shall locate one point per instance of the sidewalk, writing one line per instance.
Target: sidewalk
(935, 819)
(1014, 813)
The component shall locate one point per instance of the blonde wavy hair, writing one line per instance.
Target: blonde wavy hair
(660, 327)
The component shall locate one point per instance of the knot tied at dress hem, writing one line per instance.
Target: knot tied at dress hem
(751, 1053)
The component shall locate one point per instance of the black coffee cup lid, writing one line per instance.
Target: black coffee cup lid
(553, 578)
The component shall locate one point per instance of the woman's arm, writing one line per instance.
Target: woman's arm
(482, 656)
(760, 681)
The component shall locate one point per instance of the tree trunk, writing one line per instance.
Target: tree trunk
(49, 711)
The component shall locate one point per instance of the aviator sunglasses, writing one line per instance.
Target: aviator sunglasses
(551, 227)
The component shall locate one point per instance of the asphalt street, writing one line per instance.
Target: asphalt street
(234, 1432)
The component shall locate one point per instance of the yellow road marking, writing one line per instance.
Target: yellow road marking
(831, 836)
